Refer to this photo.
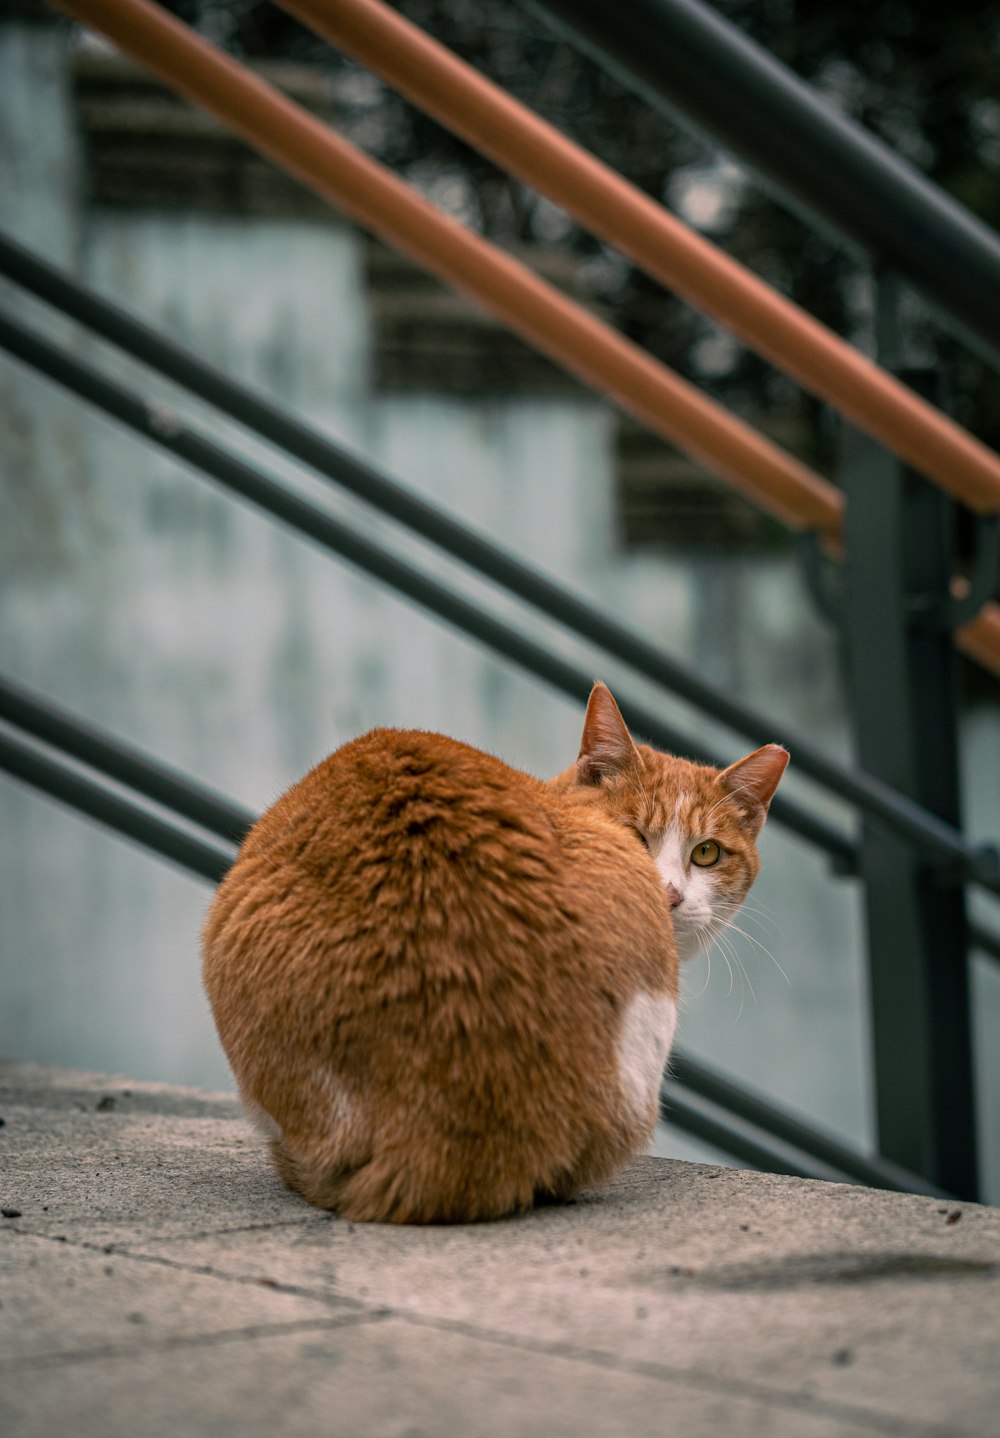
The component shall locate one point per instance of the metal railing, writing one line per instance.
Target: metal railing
(119, 786)
(685, 57)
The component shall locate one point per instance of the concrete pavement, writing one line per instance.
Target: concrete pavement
(156, 1279)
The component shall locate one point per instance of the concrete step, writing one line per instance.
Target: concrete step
(156, 1279)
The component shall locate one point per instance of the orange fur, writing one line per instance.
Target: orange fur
(421, 962)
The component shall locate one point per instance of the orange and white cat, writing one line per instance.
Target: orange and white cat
(448, 989)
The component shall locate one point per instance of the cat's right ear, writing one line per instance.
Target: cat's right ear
(606, 748)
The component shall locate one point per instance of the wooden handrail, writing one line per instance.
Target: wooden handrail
(553, 323)
(610, 206)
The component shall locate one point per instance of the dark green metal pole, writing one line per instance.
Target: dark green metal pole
(903, 669)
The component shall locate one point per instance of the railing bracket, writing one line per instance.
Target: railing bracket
(957, 609)
(822, 575)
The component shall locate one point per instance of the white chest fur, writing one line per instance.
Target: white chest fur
(643, 1045)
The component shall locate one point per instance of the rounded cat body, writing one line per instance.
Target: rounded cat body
(447, 989)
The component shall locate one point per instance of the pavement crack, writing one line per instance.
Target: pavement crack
(205, 1270)
(305, 1221)
(710, 1383)
(112, 1246)
(193, 1340)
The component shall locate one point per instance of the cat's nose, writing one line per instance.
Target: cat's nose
(674, 897)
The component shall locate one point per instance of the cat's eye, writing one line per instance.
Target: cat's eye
(640, 836)
(707, 854)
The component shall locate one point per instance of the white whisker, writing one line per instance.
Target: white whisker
(763, 948)
(747, 977)
(739, 969)
(708, 955)
(763, 915)
(744, 976)
(732, 979)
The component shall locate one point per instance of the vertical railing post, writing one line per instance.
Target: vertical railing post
(903, 673)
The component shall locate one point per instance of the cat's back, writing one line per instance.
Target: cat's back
(400, 844)
(399, 799)
(407, 824)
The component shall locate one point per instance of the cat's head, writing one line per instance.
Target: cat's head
(698, 824)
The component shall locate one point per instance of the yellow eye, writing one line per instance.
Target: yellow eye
(707, 854)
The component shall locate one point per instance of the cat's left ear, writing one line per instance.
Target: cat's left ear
(606, 748)
(753, 780)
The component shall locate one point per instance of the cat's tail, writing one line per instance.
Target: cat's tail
(445, 1179)
(449, 1183)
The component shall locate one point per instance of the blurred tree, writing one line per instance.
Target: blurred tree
(926, 78)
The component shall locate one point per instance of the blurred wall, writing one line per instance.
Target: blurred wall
(140, 598)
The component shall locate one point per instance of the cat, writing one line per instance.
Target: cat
(448, 989)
